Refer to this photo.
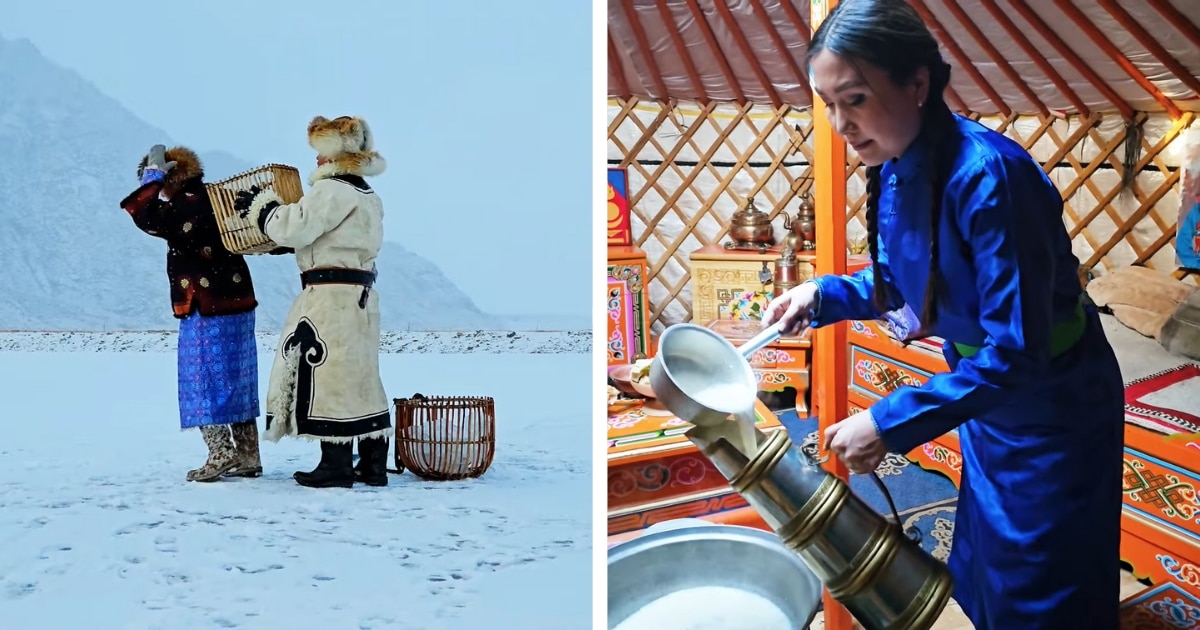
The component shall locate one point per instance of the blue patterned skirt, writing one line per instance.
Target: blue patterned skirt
(218, 369)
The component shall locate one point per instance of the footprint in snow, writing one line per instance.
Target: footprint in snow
(251, 571)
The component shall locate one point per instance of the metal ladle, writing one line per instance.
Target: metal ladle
(704, 379)
(701, 378)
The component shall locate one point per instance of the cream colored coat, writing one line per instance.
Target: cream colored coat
(325, 382)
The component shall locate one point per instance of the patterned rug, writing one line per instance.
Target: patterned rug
(925, 500)
(1165, 402)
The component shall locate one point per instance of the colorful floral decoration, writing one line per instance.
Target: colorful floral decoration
(749, 305)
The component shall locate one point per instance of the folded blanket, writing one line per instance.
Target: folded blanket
(1142, 299)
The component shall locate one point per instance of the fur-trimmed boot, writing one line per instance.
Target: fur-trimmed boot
(249, 461)
(222, 455)
(372, 461)
(336, 469)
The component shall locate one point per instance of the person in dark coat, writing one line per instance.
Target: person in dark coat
(212, 296)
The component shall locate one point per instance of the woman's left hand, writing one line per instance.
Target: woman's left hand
(857, 443)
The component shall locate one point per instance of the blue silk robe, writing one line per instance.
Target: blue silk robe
(1037, 532)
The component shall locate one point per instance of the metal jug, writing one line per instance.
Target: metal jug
(883, 578)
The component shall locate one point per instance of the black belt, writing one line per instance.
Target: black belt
(340, 276)
(336, 276)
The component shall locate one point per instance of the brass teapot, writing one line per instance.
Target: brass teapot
(792, 238)
(750, 228)
(802, 231)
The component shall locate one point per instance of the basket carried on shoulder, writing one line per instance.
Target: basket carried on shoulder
(239, 235)
(445, 438)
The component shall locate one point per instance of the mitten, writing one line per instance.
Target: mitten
(243, 199)
(157, 159)
(157, 165)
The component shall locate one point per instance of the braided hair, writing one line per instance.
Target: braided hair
(890, 35)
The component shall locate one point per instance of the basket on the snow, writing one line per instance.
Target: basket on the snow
(445, 437)
(239, 235)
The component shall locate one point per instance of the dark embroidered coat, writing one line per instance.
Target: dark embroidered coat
(203, 274)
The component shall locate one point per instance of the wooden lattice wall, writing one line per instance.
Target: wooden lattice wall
(691, 167)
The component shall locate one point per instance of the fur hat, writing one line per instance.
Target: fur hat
(333, 138)
(348, 145)
(187, 166)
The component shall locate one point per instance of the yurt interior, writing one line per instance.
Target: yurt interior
(728, 185)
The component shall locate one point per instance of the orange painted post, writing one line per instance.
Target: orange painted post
(830, 344)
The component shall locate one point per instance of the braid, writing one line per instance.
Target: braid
(879, 297)
(939, 122)
(891, 36)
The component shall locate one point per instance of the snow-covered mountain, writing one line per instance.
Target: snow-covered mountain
(72, 259)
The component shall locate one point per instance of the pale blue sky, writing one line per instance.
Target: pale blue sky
(482, 109)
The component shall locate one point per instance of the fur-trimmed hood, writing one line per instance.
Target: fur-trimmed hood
(348, 144)
(187, 167)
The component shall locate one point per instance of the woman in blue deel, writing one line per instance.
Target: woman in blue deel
(967, 238)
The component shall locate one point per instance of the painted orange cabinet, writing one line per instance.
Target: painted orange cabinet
(656, 474)
(627, 305)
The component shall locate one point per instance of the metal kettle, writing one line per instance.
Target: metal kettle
(750, 228)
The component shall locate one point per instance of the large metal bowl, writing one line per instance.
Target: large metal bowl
(656, 565)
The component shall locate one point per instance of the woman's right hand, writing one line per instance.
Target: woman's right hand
(795, 308)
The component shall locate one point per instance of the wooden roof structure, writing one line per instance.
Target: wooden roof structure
(1023, 56)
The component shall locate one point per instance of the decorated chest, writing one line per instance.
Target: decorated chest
(626, 305)
(656, 474)
(723, 278)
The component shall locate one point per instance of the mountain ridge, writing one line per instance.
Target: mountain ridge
(74, 260)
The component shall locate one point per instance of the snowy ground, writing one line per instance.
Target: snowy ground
(100, 530)
(483, 341)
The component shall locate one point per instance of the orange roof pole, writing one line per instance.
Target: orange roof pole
(1117, 56)
(1150, 43)
(680, 47)
(831, 370)
(1031, 51)
(643, 47)
(614, 62)
(1175, 18)
(743, 45)
(715, 49)
(1082, 68)
(994, 54)
(964, 62)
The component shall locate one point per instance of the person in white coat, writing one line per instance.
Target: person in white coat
(325, 382)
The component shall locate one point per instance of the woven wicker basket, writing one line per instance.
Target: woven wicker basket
(445, 437)
(239, 235)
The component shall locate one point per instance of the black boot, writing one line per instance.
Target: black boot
(335, 470)
(372, 461)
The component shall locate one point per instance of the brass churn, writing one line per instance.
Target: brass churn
(787, 271)
(882, 577)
